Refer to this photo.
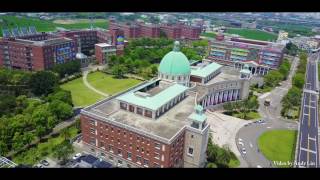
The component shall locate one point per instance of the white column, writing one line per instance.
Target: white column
(220, 96)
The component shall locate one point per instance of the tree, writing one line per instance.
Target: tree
(65, 133)
(3, 148)
(28, 137)
(62, 95)
(7, 104)
(298, 80)
(63, 150)
(67, 68)
(18, 141)
(119, 70)
(211, 165)
(60, 109)
(40, 131)
(43, 82)
(272, 78)
(228, 106)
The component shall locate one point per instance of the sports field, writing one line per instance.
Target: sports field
(253, 34)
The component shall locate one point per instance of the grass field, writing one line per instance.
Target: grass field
(46, 25)
(81, 95)
(209, 34)
(108, 84)
(42, 150)
(253, 34)
(278, 145)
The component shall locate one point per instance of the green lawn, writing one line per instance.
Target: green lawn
(107, 84)
(46, 25)
(253, 34)
(209, 34)
(42, 150)
(278, 145)
(81, 95)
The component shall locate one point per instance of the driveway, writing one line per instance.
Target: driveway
(271, 114)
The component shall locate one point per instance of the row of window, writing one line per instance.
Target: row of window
(138, 138)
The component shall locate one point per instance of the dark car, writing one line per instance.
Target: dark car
(44, 162)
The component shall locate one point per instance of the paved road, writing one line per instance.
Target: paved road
(308, 142)
(273, 120)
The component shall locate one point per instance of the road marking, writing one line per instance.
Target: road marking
(313, 139)
(308, 150)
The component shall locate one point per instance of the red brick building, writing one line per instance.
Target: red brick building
(36, 55)
(103, 51)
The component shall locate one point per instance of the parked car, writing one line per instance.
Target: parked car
(240, 140)
(244, 151)
(44, 162)
(259, 166)
(38, 166)
(241, 143)
(76, 156)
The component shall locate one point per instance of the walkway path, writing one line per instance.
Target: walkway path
(86, 83)
(224, 129)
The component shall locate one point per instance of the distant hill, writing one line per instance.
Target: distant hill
(9, 22)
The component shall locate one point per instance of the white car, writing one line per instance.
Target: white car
(240, 140)
(244, 151)
(241, 143)
(76, 156)
(259, 166)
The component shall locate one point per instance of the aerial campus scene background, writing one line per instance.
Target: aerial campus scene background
(159, 90)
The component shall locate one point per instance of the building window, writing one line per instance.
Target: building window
(101, 144)
(102, 154)
(92, 141)
(156, 165)
(137, 148)
(110, 158)
(118, 131)
(157, 145)
(130, 145)
(190, 151)
(92, 122)
(129, 155)
(157, 155)
(191, 136)
(123, 105)
(92, 131)
(119, 152)
(110, 148)
(146, 162)
(118, 141)
(139, 111)
(138, 159)
(142, 150)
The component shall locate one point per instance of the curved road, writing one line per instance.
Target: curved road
(273, 120)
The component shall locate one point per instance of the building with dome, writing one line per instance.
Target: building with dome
(162, 122)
